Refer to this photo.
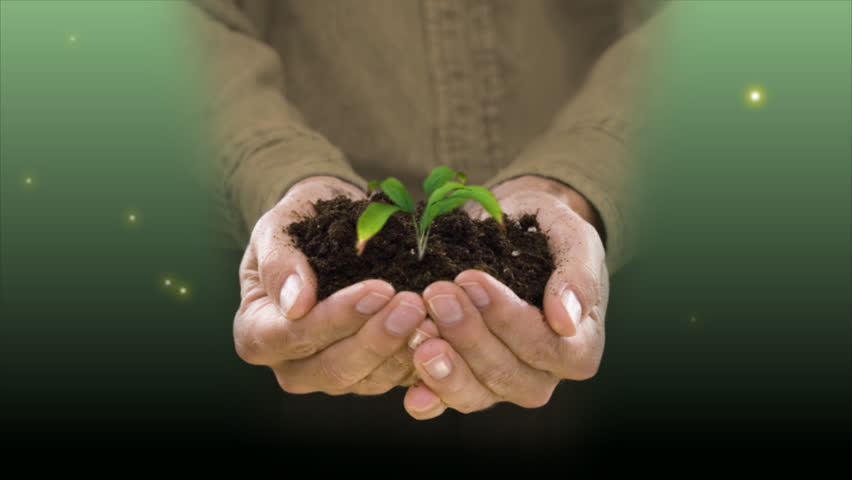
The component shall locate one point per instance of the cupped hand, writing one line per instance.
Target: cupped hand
(495, 347)
(354, 341)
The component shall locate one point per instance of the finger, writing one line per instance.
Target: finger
(424, 332)
(265, 337)
(398, 370)
(422, 404)
(284, 270)
(574, 288)
(522, 328)
(448, 376)
(352, 359)
(493, 364)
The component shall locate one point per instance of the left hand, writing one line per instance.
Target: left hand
(495, 347)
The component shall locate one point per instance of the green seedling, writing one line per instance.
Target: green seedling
(443, 195)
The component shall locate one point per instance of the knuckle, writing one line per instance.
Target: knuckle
(500, 323)
(500, 379)
(267, 258)
(472, 404)
(592, 283)
(247, 348)
(290, 343)
(378, 348)
(247, 352)
(297, 346)
(586, 369)
(340, 321)
(342, 324)
(258, 345)
(396, 369)
(371, 387)
(465, 407)
(539, 353)
(539, 397)
(336, 373)
(289, 385)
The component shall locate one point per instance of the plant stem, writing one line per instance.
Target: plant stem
(421, 245)
(417, 235)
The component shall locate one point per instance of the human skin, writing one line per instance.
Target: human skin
(497, 351)
(495, 347)
(354, 341)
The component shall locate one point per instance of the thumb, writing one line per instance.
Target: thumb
(288, 279)
(576, 286)
(284, 271)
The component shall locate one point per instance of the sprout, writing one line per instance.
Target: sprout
(443, 195)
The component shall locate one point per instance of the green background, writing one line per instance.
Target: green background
(731, 331)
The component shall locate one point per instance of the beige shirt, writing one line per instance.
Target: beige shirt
(366, 89)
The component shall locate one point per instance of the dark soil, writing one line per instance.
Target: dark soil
(519, 257)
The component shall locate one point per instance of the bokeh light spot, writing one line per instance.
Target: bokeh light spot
(755, 96)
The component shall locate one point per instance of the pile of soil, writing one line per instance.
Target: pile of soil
(519, 258)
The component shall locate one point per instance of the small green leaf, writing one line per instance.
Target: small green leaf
(484, 197)
(439, 208)
(442, 192)
(431, 210)
(371, 221)
(396, 191)
(462, 177)
(449, 204)
(437, 178)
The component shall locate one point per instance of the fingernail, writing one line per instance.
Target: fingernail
(403, 318)
(476, 293)
(418, 338)
(439, 367)
(572, 306)
(446, 308)
(371, 303)
(290, 292)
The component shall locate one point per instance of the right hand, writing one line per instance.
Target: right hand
(352, 342)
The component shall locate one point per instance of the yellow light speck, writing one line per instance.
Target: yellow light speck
(28, 181)
(132, 217)
(755, 96)
(183, 290)
(167, 282)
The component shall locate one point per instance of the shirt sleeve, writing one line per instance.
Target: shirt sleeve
(260, 144)
(590, 145)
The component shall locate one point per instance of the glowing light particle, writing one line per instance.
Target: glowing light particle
(29, 180)
(182, 290)
(167, 282)
(755, 96)
(132, 217)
